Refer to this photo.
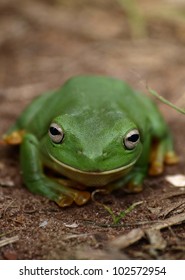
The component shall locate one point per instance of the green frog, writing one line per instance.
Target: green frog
(93, 132)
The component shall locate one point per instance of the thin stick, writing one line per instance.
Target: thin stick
(8, 241)
(154, 93)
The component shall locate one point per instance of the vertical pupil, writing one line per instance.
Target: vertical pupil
(54, 131)
(133, 138)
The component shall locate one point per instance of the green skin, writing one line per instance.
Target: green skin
(95, 115)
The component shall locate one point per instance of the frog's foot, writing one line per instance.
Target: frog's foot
(72, 195)
(159, 156)
(171, 158)
(62, 195)
(156, 168)
(15, 138)
(157, 165)
(131, 187)
(72, 192)
(131, 183)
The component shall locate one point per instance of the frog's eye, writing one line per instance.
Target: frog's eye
(56, 133)
(132, 139)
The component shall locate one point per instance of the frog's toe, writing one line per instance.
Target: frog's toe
(132, 187)
(64, 201)
(131, 183)
(79, 197)
(156, 168)
(157, 165)
(82, 197)
(15, 138)
(171, 158)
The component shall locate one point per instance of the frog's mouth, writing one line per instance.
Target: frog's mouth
(94, 178)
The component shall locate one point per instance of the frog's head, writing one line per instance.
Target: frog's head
(93, 150)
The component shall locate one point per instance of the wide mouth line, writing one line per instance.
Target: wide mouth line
(92, 172)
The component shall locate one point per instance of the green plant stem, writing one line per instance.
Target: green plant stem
(165, 101)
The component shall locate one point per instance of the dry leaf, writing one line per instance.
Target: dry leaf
(43, 224)
(73, 225)
(177, 180)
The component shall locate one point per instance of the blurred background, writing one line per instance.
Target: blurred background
(44, 42)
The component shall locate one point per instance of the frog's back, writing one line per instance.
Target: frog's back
(113, 94)
(97, 92)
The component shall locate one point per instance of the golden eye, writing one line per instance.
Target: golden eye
(56, 133)
(132, 139)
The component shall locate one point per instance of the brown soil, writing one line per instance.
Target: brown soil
(42, 43)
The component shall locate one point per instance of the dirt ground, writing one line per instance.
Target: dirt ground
(42, 43)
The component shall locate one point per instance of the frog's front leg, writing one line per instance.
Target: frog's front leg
(37, 182)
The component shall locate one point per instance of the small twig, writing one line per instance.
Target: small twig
(29, 211)
(165, 101)
(71, 236)
(137, 234)
(138, 223)
(6, 233)
(8, 240)
(174, 220)
(171, 208)
(103, 225)
(6, 208)
(172, 194)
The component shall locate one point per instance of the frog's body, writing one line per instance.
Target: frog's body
(100, 132)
